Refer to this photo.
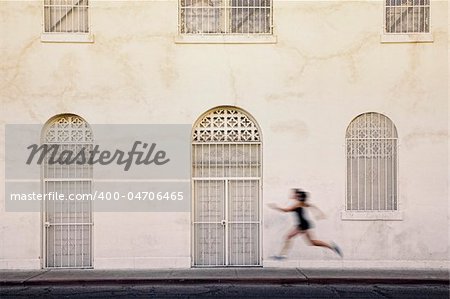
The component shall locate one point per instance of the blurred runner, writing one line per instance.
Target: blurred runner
(304, 226)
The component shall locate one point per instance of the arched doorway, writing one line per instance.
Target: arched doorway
(67, 224)
(226, 184)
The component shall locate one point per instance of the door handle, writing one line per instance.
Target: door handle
(47, 224)
(223, 222)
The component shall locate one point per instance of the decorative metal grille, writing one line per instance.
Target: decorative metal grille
(226, 125)
(68, 129)
(407, 16)
(225, 16)
(66, 16)
(68, 224)
(371, 142)
(226, 156)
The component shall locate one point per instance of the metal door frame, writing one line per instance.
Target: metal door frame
(193, 222)
(46, 225)
(253, 140)
(226, 182)
(43, 207)
(259, 222)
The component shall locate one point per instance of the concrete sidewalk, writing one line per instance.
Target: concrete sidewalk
(221, 275)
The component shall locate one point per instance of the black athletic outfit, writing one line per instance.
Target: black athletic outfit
(303, 223)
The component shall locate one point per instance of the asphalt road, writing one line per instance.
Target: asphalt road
(228, 291)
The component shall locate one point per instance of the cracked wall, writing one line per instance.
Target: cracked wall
(327, 67)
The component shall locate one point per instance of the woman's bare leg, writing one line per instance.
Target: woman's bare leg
(315, 242)
(288, 240)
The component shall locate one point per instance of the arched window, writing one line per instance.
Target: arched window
(226, 170)
(67, 227)
(371, 142)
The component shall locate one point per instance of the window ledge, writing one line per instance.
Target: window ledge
(407, 38)
(67, 38)
(372, 215)
(225, 39)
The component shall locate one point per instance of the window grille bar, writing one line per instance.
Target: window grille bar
(378, 182)
(357, 183)
(71, 223)
(385, 174)
(393, 177)
(251, 207)
(371, 171)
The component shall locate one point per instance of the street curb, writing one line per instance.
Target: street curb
(324, 281)
(379, 281)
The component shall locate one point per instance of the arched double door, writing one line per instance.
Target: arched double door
(226, 178)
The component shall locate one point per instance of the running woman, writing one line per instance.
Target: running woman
(304, 226)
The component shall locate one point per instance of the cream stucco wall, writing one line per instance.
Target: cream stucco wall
(327, 67)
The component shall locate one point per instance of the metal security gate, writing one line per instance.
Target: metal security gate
(67, 224)
(226, 155)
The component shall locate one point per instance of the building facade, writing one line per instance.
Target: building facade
(345, 99)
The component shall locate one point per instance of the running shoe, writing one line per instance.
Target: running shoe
(337, 250)
(278, 257)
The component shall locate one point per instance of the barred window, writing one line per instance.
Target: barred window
(407, 16)
(66, 16)
(371, 142)
(225, 17)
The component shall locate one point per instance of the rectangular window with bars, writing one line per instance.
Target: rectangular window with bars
(66, 16)
(407, 16)
(225, 17)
